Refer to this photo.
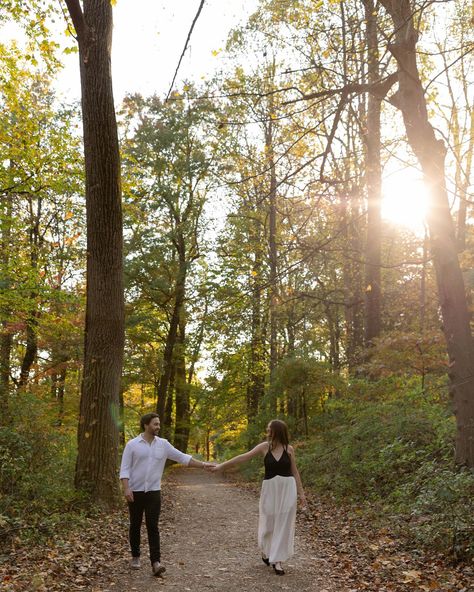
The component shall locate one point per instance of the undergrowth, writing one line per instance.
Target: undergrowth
(390, 452)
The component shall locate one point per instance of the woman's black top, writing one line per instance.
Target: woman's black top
(274, 467)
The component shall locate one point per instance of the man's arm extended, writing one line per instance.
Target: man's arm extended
(200, 464)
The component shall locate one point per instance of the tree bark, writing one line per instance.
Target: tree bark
(35, 240)
(171, 338)
(463, 182)
(256, 385)
(98, 431)
(58, 383)
(6, 337)
(6, 342)
(431, 152)
(181, 432)
(373, 290)
(273, 252)
(353, 274)
(167, 417)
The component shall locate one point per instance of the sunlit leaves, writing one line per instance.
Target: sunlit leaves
(41, 207)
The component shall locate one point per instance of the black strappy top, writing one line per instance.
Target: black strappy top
(274, 467)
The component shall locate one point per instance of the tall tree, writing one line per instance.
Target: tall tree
(373, 289)
(39, 181)
(431, 151)
(169, 164)
(98, 432)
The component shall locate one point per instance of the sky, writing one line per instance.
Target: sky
(149, 36)
(148, 39)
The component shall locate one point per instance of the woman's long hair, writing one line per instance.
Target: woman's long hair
(278, 433)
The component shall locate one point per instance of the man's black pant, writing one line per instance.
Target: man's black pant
(150, 503)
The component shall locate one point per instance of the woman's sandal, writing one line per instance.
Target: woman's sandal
(279, 572)
(266, 560)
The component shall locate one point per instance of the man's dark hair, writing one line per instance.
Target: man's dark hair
(145, 420)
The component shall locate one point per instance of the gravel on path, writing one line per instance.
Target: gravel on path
(209, 542)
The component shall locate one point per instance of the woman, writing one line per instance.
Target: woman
(278, 497)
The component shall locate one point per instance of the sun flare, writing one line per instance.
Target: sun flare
(405, 202)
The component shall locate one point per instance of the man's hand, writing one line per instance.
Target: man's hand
(216, 468)
(128, 493)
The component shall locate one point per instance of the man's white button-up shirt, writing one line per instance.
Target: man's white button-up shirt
(143, 463)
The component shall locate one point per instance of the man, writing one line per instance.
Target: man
(143, 462)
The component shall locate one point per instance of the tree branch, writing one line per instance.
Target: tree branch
(378, 89)
(77, 16)
(185, 48)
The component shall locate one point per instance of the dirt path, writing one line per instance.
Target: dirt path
(208, 529)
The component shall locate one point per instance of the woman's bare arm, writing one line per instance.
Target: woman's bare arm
(296, 475)
(241, 458)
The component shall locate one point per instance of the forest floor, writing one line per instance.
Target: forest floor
(208, 534)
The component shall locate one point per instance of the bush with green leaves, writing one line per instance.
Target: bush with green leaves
(36, 471)
(442, 514)
(389, 448)
(393, 450)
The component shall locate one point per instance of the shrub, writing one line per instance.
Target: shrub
(36, 471)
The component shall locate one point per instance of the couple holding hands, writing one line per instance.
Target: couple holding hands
(143, 462)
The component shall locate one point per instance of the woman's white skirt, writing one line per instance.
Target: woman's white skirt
(276, 521)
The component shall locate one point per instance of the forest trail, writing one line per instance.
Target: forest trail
(208, 531)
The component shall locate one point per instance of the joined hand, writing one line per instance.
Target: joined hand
(208, 466)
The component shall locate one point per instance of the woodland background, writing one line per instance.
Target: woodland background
(260, 279)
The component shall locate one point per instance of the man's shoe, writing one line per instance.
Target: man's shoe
(135, 563)
(158, 569)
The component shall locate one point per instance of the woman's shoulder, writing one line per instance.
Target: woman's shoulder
(262, 447)
(290, 449)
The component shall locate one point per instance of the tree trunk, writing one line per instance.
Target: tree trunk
(6, 337)
(462, 155)
(6, 342)
(61, 386)
(98, 432)
(291, 395)
(273, 253)
(181, 432)
(32, 320)
(171, 338)
(424, 269)
(373, 291)
(167, 417)
(122, 418)
(431, 152)
(256, 386)
(463, 182)
(31, 349)
(58, 381)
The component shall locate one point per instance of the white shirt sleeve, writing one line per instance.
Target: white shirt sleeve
(126, 462)
(174, 454)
